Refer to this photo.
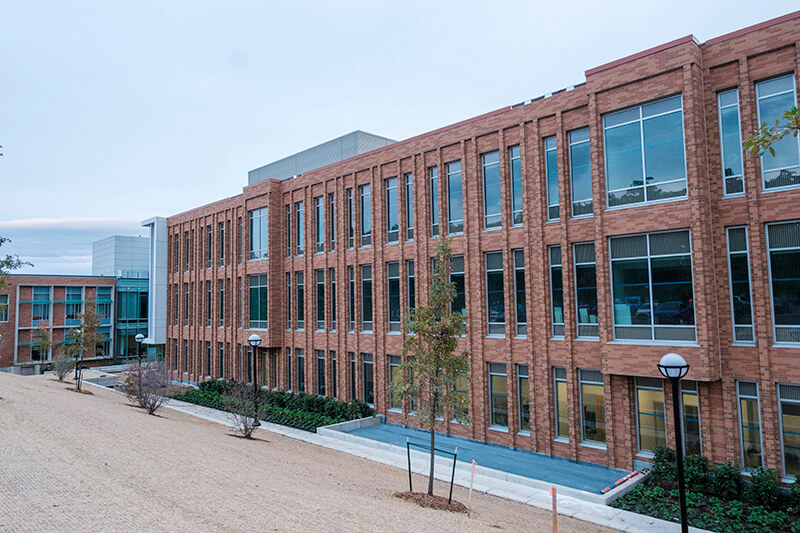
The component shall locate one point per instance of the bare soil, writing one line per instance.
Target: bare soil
(423, 499)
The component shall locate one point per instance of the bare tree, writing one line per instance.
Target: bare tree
(44, 339)
(85, 340)
(148, 385)
(242, 409)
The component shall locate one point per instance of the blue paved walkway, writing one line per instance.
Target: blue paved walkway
(582, 476)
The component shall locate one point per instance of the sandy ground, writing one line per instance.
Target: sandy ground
(80, 462)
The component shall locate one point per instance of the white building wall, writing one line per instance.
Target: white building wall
(157, 295)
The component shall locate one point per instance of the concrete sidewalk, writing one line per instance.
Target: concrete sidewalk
(578, 504)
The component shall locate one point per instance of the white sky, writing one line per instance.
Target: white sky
(113, 112)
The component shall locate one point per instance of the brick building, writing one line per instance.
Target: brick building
(594, 229)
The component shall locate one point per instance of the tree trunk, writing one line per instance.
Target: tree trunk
(433, 457)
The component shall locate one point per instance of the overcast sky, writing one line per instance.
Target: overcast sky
(112, 112)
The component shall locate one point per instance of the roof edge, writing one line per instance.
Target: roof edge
(639, 55)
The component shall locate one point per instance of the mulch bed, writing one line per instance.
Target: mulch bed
(434, 502)
(82, 391)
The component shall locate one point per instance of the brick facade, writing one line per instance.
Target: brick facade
(695, 71)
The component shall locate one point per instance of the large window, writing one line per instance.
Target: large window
(258, 301)
(368, 382)
(774, 98)
(593, 417)
(498, 396)
(353, 387)
(459, 303)
(556, 291)
(650, 414)
(516, 185)
(331, 222)
(301, 369)
(209, 247)
(691, 418)
(394, 379)
(299, 291)
(366, 297)
(393, 290)
(586, 290)
(40, 310)
(551, 171)
(258, 233)
(652, 287)
(580, 172)
(783, 242)
(288, 300)
(433, 172)
(455, 208)
(334, 378)
(222, 244)
(492, 216)
(366, 220)
(186, 304)
(523, 393)
(209, 298)
(789, 400)
(220, 360)
(320, 372)
(739, 277)
(392, 211)
(320, 290)
(221, 303)
(409, 206)
(560, 399)
(521, 308)
(332, 281)
(187, 247)
(288, 368)
(350, 218)
(730, 136)
(104, 304)
(3, 307)
(298, 232)
(73, 305)
(351, 289)
(750, 423)
(645, 159)
(319, 225)
(412, 290)
(495, 303)
(461, 389)
(288, 216)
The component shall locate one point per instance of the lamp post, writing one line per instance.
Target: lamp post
(674, 367)
(139, 338)
(78, 357)
(255, 341)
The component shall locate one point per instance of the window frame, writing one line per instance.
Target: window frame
(453, 223)
(492, 423)
(573, 200)
(553, 204)
(392, 191)
(781, 400)
(587, 381)
(521, 327)
(319, 224)
(433, 180)
(637, 387)
(746, 253)
(394, 325)
(757, 398)
(365, 201)
(409, 197)
(258, 221)
(760, 120)
(496, 218)
(740, 176)
(490, 330)
(516, 178)
(769, 250)
(556, 327)
(575, 266)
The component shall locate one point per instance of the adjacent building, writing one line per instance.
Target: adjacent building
(594, 229)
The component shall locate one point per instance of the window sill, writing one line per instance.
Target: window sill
(520, 336)
(788, 480)
(553, 220)
(563, 440)
(645, 455)
(394, 333)
(632, 342)
(748, 344)
(499, 228)
(778, 189)
(499, 429)
(588, 339)
(319, 331)
(593, 445)
(394, 410)
(786, 344)
(365, 332)
(495, 336)
(581, 217)
(523, 433)
(737, 195)
(557, 338)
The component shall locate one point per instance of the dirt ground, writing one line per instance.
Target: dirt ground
(72, 461)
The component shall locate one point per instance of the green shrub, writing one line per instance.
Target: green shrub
(727, 481)
(794, 497)
(735, 510)
(695, 499)
(664, 470)
(695, 472)
(763, 488)
(218, 386)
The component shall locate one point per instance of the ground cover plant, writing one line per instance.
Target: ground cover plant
(301, 411)
(717, 498)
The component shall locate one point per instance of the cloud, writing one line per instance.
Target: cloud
(69, 223)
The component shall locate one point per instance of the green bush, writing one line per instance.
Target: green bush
(664, 470)
(218, 386)
(763, 488)
(794, 497)
(695, 472)
(727, 481)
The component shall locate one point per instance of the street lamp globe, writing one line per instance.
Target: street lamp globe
(139, 338)
(254, 340)
(673, 366)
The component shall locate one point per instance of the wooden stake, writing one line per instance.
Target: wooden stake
(555, 508)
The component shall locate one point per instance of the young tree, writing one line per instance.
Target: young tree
(7, 264)
(43, 338)
(242, 409)
(765, 136)
(148, 385)
(431, 367)
(85, 340)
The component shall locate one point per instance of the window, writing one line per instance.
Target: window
(516, 185)
(298, 288)
(750, 423)
(651, 276)
(560, 393)
(394, 378)
(650, 414)
(462, 389)
(258, 233)
(334, 378)
(392, 211)
(301, 369)
(350, 220)
(393, 290)
(519, 293)
(556, 291)
(208, 359)
(177, 248)
(319, 222)
(40, 310)
(739, 279)
(351, 308)
(593, 418)
(353, 387)
(495, 304)
(366, 298)
(288, 215)
(366, 220)
(185, 357)
(221, 304)
(789, 406)
(492, 215)
(412, 291)
(459, 303)
(3, 307)
(783, 243)
(209, 247)
(73, 306)
(185, 304)
(208, 304)
(783, 169)
(249, 365)
(288, 369)
(586, 290)
(186, 248)
(580, 172)
(298, 239)
(104, 302)
(175, 308)
(645, 160)
(409, 206)
(258, 301)
(455, 210)
(498, 396)
(320, 372)
(331, 222)
(238, 240)
(288, 300)
(332, 278)
(222, 244)
(523, 393)
(239, 302)
(433, 174)
(551, 171)
(691, 418)
(730, 137)
(221, 361)
(320, 289)
(367, 379)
